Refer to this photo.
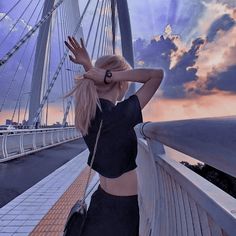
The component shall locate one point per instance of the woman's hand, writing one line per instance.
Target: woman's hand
(81, 55)
(97, 75)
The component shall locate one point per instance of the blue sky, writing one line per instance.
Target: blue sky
(191, 30)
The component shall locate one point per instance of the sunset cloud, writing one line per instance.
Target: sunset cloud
(213, 10)
(196, 69)
(214, 60)
(215, 105)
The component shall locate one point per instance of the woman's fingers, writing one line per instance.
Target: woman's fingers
(72, 59)
(70, 47)
(72, 42)
(76, 42)
(82, 42)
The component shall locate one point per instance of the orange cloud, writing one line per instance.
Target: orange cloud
(214, 57)
(215, 105)
(212, 12)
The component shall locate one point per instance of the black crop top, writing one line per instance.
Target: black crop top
(117, 144)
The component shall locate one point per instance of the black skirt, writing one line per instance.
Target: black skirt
(111, 215)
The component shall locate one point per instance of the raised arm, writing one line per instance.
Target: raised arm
(141, 75)
(151, 78)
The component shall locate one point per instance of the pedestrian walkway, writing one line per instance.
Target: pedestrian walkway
(42, 209)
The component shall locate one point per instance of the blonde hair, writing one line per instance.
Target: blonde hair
(86, 95)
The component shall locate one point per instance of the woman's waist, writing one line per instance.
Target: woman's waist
(124, 185)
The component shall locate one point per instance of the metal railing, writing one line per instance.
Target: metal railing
(175, 201)
(16, 143)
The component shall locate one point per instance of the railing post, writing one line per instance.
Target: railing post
(34, 140)
(22, 143)
(4, 145)
(51, 135)
(63, 134)
(58, 136)
(44, 138)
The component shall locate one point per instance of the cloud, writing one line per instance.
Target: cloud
(214, 105)
(211, 12)
(224, 23)
(214, 60)
(158, 53)
(228, 3)
(225, 80)
(17, 32)
(182, 72)
(8, 23)
(205, 67)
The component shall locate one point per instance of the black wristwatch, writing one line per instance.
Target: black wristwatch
(107, 74)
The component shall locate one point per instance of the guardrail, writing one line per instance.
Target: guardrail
(16, 143)
(175, 201)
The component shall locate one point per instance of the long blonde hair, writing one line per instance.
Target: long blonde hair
(86, 95)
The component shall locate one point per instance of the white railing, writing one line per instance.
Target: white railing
(175, 201)
(16, 143)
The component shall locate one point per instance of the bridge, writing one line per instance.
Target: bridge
(42, 156)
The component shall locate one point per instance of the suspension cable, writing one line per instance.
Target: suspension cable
(91, 25)
(59, 43)
(67, 64)
(107, 33)
(4, 66)
(71, 65)
(29, 34)
(14, 76)
(101, 32)
(99, 20)
(22, 85)
(7, 13)
(70, 102)
(111, 30)
(14, 25)
(58, 69)
(104, 36)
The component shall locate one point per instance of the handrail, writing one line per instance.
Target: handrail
(31, 130)
(177, 201)
(210, 140)
(16, 143)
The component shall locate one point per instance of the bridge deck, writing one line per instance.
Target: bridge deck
(53, 222)
(17, 175)
(43, 208)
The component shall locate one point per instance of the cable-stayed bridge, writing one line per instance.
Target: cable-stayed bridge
(173, 199)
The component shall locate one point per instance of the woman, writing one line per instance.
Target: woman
(113, 210)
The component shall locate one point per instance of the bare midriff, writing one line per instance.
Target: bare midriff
(124, 185)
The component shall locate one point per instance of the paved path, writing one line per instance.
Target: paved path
(18, 175)
(43, 208)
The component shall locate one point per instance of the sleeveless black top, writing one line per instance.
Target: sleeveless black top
(117, 145)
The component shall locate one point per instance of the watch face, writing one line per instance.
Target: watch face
(109, 74)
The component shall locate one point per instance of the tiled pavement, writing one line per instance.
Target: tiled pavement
(42, 209)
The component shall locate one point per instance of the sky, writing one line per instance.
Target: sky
(194, 41)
